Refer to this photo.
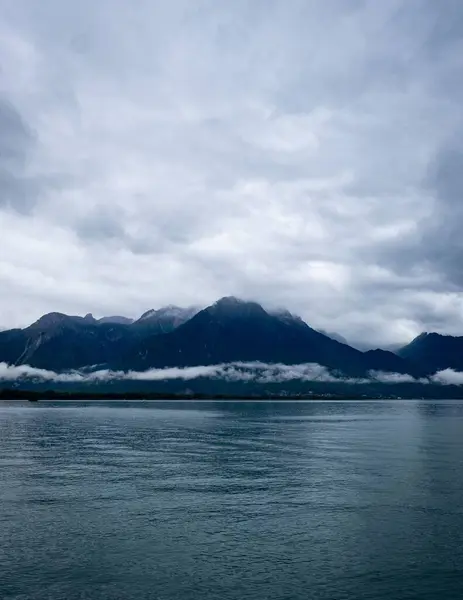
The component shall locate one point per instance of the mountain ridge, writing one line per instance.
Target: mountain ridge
(229, 330)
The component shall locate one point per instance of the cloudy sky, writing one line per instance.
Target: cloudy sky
(303, 153)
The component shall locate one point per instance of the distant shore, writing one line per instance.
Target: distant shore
(53, 395)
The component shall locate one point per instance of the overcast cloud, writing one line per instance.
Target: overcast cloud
(301, 153)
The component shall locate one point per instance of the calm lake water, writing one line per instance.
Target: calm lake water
(325, 500)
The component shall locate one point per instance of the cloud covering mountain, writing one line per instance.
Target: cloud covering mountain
(246, 372)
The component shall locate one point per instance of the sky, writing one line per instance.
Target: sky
(300, 153)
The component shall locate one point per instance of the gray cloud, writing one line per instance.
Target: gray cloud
(303, 154)
(443, 239)
(17, 187)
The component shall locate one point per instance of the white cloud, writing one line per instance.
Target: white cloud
(239, 371)
(448, 377)
(385, 377)
(12, 373)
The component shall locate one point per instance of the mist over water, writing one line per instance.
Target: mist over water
(274, 500)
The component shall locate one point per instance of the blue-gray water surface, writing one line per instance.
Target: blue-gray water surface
(177, 501)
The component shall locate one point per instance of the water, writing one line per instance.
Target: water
(168, 501)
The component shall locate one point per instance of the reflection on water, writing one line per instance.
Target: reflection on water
(231, 500)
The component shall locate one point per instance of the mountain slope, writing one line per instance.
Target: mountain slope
(57, 342)
(12, 345)
(116, 319)
(60, 342)
(434, 352)
(334, 336)
(232, 330)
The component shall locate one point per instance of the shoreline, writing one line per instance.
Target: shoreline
(97, 402)
(35, 396)
(208, 400)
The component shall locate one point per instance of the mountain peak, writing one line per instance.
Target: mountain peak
(229, 301)
(232, 306)
(171, 311)
(50, 319)
(147, 315)
(165, 319)
(434, 351)
(54, 319)
(422, 336)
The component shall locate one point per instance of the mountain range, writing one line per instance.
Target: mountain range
(229, 331)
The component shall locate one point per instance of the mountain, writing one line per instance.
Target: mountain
(383, 360)
(61, 342)
(165, 319)
(434, 352)
(232, 330)
(58, 342)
